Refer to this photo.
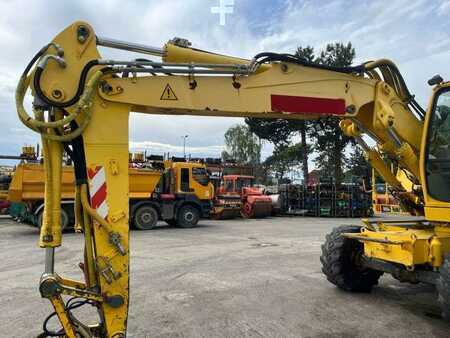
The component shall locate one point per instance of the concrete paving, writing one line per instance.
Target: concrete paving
(236, 278)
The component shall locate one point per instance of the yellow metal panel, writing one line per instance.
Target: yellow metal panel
(412, 250)
(439, 213)
(29, 180)
(102, 146)
(177, 54)
(143, 182)
(408, 247)
(216, 95)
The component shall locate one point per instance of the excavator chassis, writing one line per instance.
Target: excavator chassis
(415, 251)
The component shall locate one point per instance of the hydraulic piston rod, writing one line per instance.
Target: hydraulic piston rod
(129, 46)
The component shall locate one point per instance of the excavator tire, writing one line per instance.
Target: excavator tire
(443, 288)
(340, 257)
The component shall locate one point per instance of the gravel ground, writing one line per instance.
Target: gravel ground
(236, 278)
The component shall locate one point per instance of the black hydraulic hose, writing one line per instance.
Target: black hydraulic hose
(70, 305)
(297, 60)
(75, 98)
(34, 59)
(414, 104)
(78, 158)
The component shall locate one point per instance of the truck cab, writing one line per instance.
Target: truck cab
(254, 202)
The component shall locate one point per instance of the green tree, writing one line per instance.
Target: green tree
(279, 132)
(283, 159)
(307, 54)
(326, 136)
(357, 165)
(329, 141)
(242, 145)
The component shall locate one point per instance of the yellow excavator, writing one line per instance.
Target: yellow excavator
(82, 104)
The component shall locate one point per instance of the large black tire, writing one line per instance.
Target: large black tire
(145, 217)
(64, 218)
(188, 216)
(443, 288)
(340, 262)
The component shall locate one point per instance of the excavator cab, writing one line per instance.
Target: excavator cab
(437, 151)
(435, 159)
(236, 183)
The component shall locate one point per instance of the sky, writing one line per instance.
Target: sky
(413, 33)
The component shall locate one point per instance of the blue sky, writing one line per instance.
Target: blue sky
(415, 34)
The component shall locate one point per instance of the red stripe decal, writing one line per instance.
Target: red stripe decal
(307, 105)
(99, 196)
(93, 172)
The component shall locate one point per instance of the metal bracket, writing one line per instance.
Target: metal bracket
(107, 271)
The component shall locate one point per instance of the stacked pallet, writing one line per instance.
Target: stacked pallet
(325, 199)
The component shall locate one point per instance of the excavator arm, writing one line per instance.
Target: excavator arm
(82, 104)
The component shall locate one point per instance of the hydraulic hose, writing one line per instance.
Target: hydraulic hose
(52, 134)
(46, 228)
(75, 98)
(83, 106)
(394, 78)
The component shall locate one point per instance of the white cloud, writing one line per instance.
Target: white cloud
(158, 148)
(444, 8)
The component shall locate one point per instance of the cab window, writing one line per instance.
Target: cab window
(437, 160)
(200, 175)
(229, 186)
(243, 183)
(185, 180)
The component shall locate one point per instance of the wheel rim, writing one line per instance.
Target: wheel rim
(145, 219)
(189, 216)
(247, 210)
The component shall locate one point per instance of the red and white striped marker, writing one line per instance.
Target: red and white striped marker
(97, 190)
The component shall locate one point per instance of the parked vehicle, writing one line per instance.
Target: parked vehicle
(177, 192)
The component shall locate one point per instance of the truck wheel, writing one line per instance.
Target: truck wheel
(443, 288)
(341, 262)
(247, 210)
(145, 217)
(64, 219)
(188, 216)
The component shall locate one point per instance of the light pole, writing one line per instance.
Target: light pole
(184, 144)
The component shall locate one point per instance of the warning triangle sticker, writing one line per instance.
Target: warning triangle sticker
(168, 94)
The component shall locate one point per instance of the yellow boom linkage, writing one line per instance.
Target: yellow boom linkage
(82, 103)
